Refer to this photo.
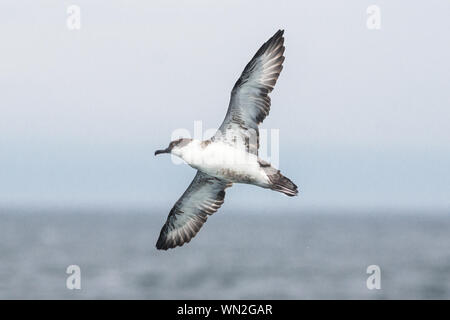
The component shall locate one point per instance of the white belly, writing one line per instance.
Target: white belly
(227, 162)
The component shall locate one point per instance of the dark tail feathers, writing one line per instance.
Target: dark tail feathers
(282, 184)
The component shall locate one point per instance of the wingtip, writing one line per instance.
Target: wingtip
(277, 37)
(159, 245)
(280, 32)
(164, 244)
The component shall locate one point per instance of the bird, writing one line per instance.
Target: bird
(231, 154)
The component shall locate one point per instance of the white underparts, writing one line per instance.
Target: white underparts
(225, 161)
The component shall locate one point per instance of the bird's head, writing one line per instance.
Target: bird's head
(174, 146)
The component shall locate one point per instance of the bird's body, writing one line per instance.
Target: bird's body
(224, 161)
(231, 155)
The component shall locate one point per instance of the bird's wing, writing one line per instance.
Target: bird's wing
(250, 101)
(203, 197)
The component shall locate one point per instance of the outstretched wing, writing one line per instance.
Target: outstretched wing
(250, 101)
(203, 197)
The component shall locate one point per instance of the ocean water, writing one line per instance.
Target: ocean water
(304, 255)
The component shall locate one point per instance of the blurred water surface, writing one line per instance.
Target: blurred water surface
(235, 256)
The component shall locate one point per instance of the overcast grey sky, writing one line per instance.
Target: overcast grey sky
(363, 114)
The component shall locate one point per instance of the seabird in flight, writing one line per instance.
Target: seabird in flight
(231, 155)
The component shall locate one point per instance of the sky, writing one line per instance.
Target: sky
(363, 115)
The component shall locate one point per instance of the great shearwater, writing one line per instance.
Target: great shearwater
(231, 155)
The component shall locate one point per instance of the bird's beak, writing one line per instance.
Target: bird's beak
(162, 151)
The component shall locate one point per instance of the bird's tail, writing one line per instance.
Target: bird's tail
(282, 184)
(278, 182)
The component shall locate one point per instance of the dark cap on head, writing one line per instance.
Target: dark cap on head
(176, 143)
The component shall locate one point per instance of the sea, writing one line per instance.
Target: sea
(237, 255)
